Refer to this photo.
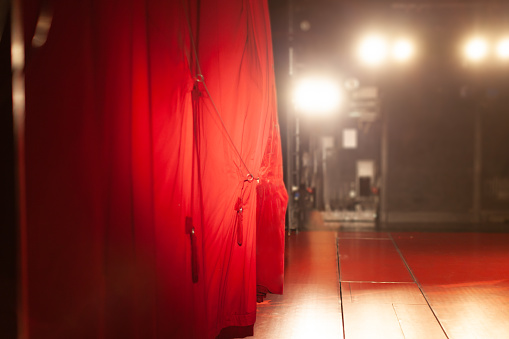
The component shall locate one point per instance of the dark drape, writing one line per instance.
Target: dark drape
(154, 181)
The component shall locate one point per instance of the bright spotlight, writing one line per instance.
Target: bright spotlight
(503, 49)
(476, 49)
(403, 50)
(373, 50)
(317, 96)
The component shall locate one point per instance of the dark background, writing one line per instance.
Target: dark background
(429, 107)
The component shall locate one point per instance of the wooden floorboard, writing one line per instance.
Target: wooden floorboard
(310, 306)
(393, 285)
(371, 260)
(465, 277)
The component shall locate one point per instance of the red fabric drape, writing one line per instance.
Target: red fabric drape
(133, 179)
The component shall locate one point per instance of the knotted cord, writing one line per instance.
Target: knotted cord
(201, 79)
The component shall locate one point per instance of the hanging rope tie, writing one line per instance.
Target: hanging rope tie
(239, 207)
(194, 253)
(240, 221)
(199, 78)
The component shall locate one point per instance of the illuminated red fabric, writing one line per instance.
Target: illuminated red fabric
(127, 157)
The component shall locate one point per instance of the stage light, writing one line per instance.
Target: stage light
(476, 49)
(503, 49)
(317, 96)
(403, 50)
(373, 50)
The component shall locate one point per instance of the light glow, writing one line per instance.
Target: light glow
(503, 49)
(373, 50)
(403, 50)
(317, 96)
(476, 49)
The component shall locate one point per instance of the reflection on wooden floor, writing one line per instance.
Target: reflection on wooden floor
(310, 306)
(391, 285)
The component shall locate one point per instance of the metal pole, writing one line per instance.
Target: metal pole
(477, 165)
(325, 180)
(289, 122)
(297, 171)
(384, 166)
(289, 164)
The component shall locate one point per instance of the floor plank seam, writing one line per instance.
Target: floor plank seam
(379, 282)
(357, 238)
(418, 284)
(399, 320)
(340, 288)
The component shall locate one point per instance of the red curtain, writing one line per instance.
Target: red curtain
(154, 183)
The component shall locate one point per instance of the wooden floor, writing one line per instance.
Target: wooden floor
(391, 285)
